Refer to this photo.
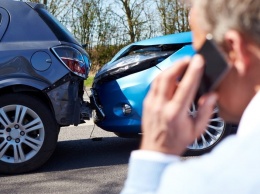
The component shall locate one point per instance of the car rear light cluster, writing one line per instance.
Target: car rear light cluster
(72, 59)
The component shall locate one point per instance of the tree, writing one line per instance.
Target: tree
(132, 17)
(58, 8)
(84, 20)
(173, 16)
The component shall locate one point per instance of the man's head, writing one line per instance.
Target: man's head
(219, 16)
(235, 26)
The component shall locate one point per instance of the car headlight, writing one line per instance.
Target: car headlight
(131, 64)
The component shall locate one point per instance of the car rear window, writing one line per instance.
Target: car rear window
(58, 29)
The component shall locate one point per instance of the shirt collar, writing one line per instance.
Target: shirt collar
(250, 121)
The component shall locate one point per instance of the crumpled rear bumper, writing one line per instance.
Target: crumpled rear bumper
(66, 97)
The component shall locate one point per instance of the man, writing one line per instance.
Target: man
(234, 165)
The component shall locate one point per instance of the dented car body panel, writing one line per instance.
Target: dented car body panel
(27, 62)
(181, 38)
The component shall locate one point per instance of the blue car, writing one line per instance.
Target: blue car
(121, 85)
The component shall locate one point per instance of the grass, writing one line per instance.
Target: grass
(89, 81)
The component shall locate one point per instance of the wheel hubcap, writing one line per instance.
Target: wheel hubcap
(213, 132)
(21, 133)
(15, 133)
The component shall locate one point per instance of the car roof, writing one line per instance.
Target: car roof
(32, 22)
(25, 24)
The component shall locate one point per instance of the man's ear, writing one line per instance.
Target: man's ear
(236, 48)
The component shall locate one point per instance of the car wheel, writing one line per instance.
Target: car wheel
(216, 130)
(28, 133)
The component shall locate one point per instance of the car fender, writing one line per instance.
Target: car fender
(34, 83)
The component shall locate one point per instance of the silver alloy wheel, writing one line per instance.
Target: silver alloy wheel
(213, 132)
(21, 133)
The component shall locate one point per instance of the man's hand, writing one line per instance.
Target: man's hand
(166, 125)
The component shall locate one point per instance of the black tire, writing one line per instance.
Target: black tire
(34, 143)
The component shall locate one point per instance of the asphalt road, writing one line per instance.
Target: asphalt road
(79, 165)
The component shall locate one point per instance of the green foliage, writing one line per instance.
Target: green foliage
(89, 81)
(101, 54)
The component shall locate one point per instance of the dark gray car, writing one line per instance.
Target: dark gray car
(42, 70)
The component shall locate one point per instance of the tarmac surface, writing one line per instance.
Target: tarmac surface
(87, 159)
(80, 164)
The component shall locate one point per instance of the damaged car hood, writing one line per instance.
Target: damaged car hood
(180, 38)
(159, 52)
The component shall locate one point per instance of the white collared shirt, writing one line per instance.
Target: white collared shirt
(232, 167)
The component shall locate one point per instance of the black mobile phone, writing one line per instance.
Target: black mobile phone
(215, 67)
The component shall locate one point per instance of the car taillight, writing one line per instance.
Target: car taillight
(74, 65)
(72, 59)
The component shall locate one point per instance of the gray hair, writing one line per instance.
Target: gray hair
(218, 16)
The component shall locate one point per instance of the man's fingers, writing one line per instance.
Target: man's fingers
(189, 84)
(206, 106)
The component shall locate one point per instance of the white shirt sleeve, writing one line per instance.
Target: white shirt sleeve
(145, 171)
(154, 156)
